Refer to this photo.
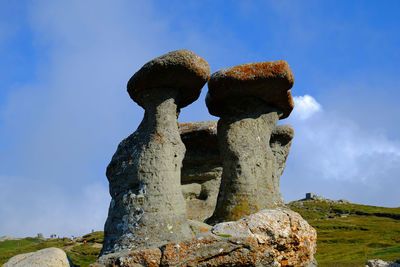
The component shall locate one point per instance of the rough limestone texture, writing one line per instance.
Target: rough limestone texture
(202, 168)
(147, 207)
(48, 257)
(249, 99)
(280, 142)
(277, 237)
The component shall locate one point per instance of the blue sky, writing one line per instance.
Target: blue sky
(64, 107)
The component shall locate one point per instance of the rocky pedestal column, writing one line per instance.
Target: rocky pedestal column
(249, 99)
(147, 207)
(280, 142)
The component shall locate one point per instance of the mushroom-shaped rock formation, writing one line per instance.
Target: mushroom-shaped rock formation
(249, 99)
(180, 69)
(147, 207)
(280, 142)
(202, 168)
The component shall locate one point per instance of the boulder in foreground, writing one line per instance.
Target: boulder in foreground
(271, 237)
(48, 257)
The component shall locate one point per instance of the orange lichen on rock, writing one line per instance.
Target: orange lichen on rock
(263, 70)
(267, 238)
(269, 81)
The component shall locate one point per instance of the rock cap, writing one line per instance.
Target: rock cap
(180, 69)
(282, 133)
(270, 81)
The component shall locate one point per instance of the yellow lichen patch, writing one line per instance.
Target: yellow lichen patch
(242, 209)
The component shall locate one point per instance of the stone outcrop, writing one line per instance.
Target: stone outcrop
(249, 99)
(48, 257)
(147, 207)
(277, 237)
(202, 165)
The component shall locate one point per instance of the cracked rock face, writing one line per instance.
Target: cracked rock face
(271, 237)
(249, 99)
(147, 207)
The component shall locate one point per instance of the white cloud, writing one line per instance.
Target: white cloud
(329, 148)
(305, 107)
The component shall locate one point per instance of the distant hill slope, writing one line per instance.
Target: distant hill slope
(348, 235)
(82, 251)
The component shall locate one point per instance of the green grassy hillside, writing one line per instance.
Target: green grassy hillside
(351, 234)
(80, 252)
(348, 235)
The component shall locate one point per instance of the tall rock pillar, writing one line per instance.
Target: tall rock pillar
(249, 99)
(147, 207)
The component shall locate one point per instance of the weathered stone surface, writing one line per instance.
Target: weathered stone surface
(280, 142)
(48, 257)
(202, 160)
(270, 81)
(381, 263)
(269, 238)
(202, 165)
(202, 168)
(250, 99)
(147, 207)
(248, 161)
(180, 69)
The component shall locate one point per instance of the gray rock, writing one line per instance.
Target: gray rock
(381, 263)
(202, 165)
(280, 142)
(250, 99)
(202, 168)
(48, 257)
(202, 161)
(276, 237)
(180, 69)
(147, 207)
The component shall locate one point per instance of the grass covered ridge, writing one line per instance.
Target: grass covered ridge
(348, 235)
(351, 234)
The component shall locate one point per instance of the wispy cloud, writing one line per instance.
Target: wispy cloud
(330, 148)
